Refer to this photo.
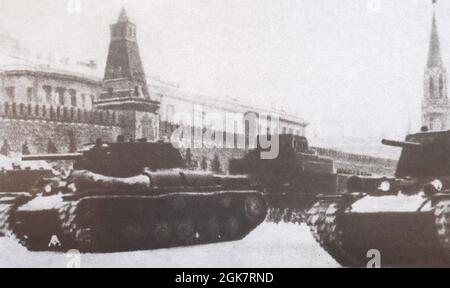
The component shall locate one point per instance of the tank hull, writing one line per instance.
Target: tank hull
(9, 202)
(136, 222)
(21, 180)
(404, 239)
(290, 203)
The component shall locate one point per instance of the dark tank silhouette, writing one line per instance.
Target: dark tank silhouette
(132, 196)
(407, 218)
(18, 182)
(291, 181)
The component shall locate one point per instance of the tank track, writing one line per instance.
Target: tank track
(85, 224)
(442, 222)
(323, 220)
(286, 215)
(8, 203)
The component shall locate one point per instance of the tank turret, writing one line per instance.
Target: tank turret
(292, 180)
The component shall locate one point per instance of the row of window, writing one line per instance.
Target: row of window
(61, 94)
(170, 116)
(441, 87)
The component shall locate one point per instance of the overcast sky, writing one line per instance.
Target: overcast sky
(349, 67)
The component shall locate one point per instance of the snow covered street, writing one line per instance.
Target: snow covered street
(269, 246)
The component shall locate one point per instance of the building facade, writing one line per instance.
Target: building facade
(125, 86)
(49, 104)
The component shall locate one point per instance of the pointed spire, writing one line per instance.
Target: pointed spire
(434, 54)
(123, 16)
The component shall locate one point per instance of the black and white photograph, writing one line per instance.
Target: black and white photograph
(225, 134)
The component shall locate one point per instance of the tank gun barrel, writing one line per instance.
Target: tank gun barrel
(52, 157)
(402, 144)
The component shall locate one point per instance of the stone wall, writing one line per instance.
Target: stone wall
(343, 162)
(66, 128)
(201, 158)
(359, 164)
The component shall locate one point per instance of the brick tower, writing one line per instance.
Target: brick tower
(125, 85)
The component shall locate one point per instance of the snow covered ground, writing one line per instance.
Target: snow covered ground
(269, 246)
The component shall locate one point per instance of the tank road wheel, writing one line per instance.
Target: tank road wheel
(211, 230)
(132, 235)
(323, 221)
(162, 233)
(255, 209)
(84, 240)
(442, 222)
(231, 228)
(185, 232)
(227, 202)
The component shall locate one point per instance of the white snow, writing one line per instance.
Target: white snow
(8, 163)
(269, 246)
(394, 203)
(42, 203)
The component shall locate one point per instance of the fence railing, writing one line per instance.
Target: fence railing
(354, 157)
(59, 114)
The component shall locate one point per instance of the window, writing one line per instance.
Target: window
(30, 94)
(48, 94)
(61, 96)
(10, 93)
(136, 91)
(110, 92)
(73, 97)
(83, 100)
(441, 87)
(170, 113)
(147, 128)
(431, 88)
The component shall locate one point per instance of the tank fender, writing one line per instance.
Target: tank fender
(401, 203)
(42, 203)
(85, 180)
(232, 181)
(179, 178)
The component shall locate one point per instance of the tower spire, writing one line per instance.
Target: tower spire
(123, 16)
(434, 54)
(435, 105)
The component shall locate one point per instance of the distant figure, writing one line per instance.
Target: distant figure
(25, 149)
(5, 150)
(215, 165)
(51, 147)
(204, 164)
(188, 159)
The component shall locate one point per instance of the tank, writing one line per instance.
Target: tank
(18, 182)
(135, 196)
(406, 217)
(291, 181)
